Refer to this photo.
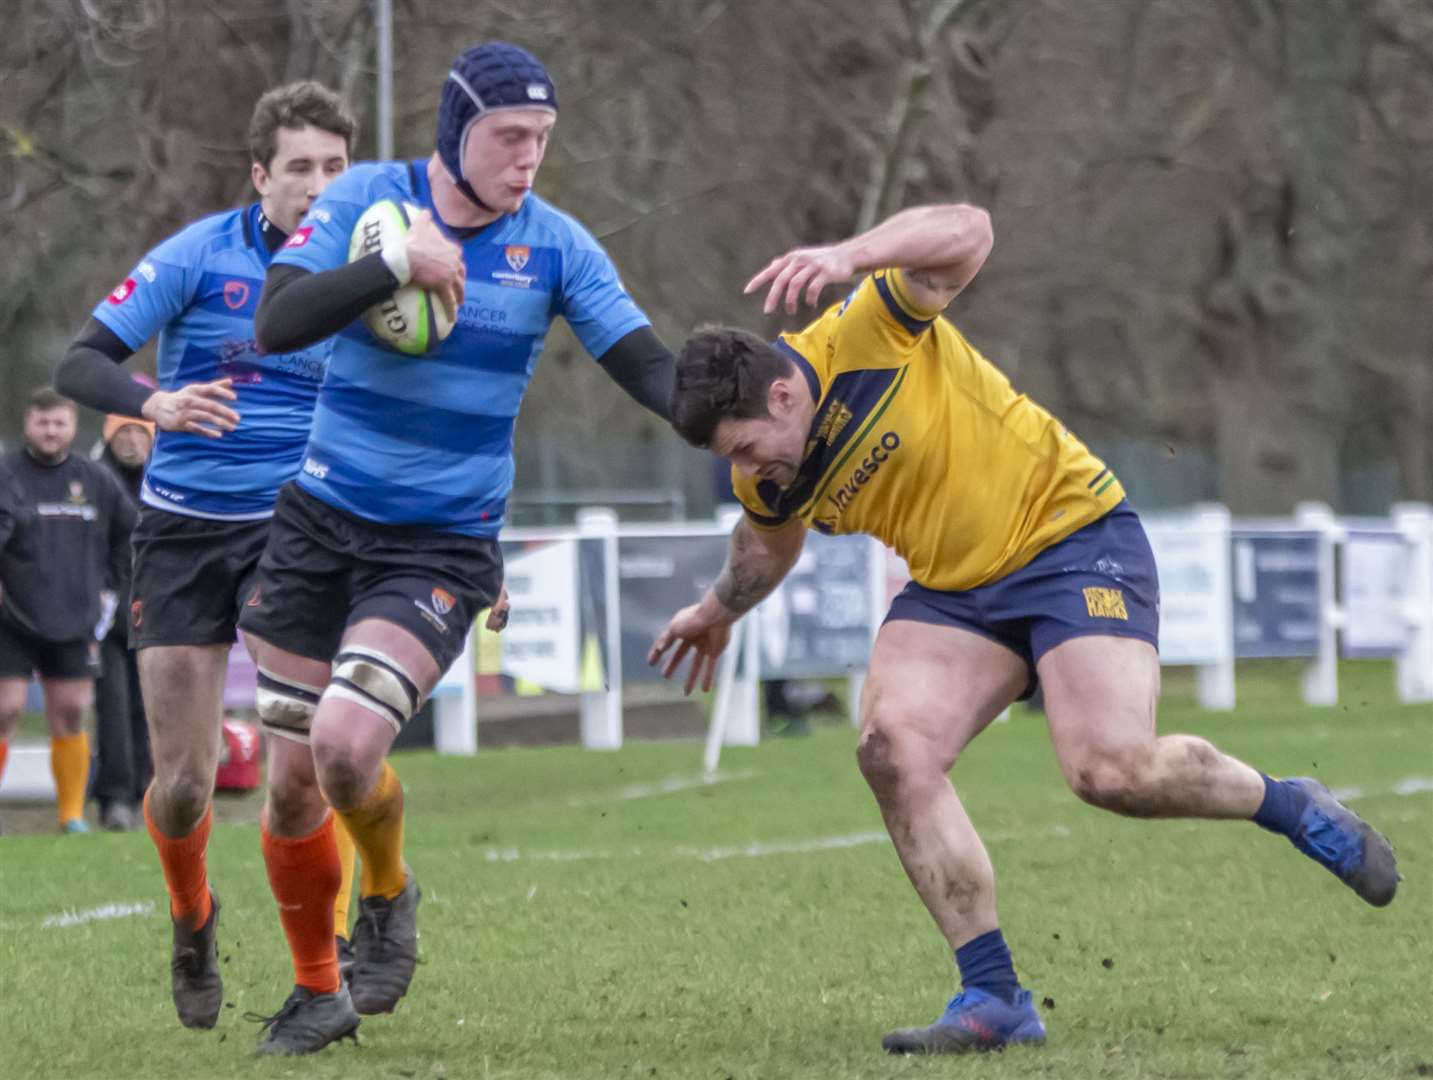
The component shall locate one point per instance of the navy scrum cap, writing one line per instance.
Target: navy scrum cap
(487, 77)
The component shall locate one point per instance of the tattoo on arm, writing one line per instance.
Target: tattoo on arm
(741, 588)
(750, 573)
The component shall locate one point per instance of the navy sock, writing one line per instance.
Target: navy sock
(1282, 807)
(985, 965)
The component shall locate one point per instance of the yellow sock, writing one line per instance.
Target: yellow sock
(346, 855)
(70, 765)
(376, 825)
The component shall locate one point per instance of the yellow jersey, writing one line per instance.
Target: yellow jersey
(920, 441)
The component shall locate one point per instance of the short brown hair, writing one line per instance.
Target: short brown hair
(45, 398)
(293, 106)
(722, 374)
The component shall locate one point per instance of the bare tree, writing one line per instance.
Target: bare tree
(1212, 220)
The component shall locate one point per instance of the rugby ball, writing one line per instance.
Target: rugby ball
(412, 320)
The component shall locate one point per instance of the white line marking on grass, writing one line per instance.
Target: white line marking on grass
(95, 914)
(756, 849)
(669, 786)
(514, 855)
(1409, 785)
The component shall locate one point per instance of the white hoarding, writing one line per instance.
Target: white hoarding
(540, 643)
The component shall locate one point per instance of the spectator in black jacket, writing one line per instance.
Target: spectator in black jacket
(123, 765)
(64, 537)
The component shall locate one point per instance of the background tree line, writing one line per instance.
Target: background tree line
(1214, 233)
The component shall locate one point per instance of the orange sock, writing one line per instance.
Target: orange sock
(186, 873)
(70, 765)
(304, 873)
(347, 855)
(4, 753)
(376, 825)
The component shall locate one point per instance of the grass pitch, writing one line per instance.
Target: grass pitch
(605, 915)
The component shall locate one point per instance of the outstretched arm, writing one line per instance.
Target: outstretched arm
(940, 248)
(756, 562)
(641, 365)
(90, 373)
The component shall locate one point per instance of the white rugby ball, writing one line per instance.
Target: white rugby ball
(412, 320)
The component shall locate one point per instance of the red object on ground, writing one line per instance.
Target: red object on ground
(238, 756)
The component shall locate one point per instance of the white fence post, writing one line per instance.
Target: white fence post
(601, 710)
(722, 701)
(1414, 665)
(1321, 675)
(455, 706)
(738, 696)
(1215, 680)
(743, 722)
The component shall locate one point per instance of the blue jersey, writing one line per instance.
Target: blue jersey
(427, 440)
(198, 291)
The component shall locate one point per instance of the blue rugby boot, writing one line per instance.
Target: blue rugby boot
(1338, 839)
(973, 1021)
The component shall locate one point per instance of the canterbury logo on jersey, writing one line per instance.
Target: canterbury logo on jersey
(841, 497)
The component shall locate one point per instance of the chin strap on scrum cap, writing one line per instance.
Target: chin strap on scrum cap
(485, 78)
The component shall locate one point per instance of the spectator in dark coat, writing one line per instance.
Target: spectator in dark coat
(124, 766)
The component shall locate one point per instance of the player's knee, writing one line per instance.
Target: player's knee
(9, 721)
(892, 755)
(182, 794)
(1111, 779)
(344, 771)
(292, 802)
(70, 716)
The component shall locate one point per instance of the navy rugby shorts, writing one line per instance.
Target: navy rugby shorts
(1101, 579)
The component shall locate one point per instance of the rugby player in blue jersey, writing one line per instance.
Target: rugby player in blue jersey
(384, 549)
(233, 421)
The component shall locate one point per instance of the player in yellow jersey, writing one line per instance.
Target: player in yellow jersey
(1029, 567)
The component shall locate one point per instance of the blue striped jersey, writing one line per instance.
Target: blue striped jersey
(427, 440)
(198, 291)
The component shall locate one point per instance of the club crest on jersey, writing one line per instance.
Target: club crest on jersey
(77, 493)
(443, 601)
(122, 292)
(300, 236)
(517, 255)
(834, 422)
(236, 294)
